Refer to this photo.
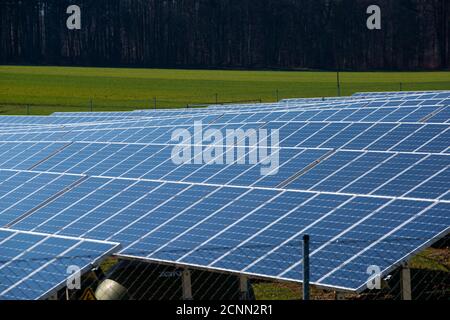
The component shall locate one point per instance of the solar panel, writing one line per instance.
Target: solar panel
(34, 266)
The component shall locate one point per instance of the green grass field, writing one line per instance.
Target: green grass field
(50, 89)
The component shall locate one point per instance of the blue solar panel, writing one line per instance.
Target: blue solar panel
(33, 266)
(21, 199)
(415, 175)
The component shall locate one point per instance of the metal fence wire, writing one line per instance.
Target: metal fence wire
(95, 103)
(425, 276)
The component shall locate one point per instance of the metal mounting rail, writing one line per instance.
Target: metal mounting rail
(431, 115)
(306, 169)
(44, 203)
(50, 155)
(215, 120)
(265, 123)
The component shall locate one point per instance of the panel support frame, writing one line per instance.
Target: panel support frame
(243, 287)
(187, 284)
(405, 282)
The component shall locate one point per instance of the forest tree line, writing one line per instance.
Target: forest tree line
(251, 34)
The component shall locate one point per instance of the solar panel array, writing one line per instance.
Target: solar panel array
(367, 177)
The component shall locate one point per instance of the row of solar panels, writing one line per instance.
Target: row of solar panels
(150, 130)
(413, 175)
(257, 231)
(397, 137)
(377, 101)
(428, 113)
(401, 93)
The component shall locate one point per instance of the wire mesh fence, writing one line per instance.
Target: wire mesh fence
(424, 276)
(110, 105)
(33, 105)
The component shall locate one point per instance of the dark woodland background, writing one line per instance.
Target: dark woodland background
(259, 34)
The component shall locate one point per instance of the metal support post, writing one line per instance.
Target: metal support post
(187, 287)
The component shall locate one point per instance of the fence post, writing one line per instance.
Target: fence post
(28, 109)
(338, 79)
(306, 267)
(401, 86)
(278, 98)
(90, 104)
